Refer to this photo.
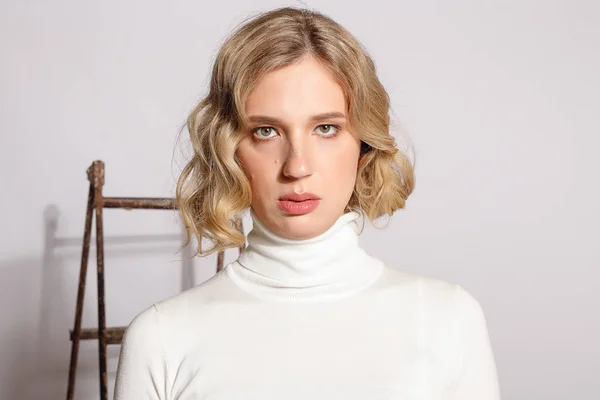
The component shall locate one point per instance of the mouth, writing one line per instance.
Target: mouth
(299, 197)
(299, 204)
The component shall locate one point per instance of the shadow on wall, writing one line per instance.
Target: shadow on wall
(37, 300)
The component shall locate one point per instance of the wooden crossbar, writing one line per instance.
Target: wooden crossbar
(105, 335)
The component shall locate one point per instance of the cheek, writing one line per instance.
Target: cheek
(258, 169)
(342, 165)
(350, 167)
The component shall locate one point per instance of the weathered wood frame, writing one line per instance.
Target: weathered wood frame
(111, 335)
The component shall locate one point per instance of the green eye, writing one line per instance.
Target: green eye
(265, 132)
(330, 130)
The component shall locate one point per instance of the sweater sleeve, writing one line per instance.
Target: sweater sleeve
(477, 378)
(141, 371)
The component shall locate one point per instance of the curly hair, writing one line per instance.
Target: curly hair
(213, 191)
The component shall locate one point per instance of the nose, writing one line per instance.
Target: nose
(297, 163)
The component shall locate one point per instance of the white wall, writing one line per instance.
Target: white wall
(499, 97)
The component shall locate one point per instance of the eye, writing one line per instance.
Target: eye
(328, 131)
(265, 132)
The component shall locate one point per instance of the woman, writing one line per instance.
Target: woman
(296, 127)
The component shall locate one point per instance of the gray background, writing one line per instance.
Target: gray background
(499, 97)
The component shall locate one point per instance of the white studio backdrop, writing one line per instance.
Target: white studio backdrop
(499, 97)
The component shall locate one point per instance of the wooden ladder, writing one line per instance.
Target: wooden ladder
(105, 335)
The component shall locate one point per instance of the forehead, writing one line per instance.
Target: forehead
(297, 91)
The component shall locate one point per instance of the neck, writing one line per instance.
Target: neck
(330, 265)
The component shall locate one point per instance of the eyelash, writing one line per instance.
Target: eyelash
(337, 129)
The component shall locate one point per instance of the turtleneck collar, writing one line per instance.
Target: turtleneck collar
(330, 265)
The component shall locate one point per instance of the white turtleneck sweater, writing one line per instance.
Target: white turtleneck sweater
(310, 319)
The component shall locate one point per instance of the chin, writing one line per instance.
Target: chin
(304, 226)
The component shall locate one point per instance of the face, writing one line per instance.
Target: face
(298, 152)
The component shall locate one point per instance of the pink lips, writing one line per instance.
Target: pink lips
(299, 204)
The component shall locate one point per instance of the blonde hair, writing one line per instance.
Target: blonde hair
(213, 191)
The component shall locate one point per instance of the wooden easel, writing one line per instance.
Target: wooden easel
(111, 335)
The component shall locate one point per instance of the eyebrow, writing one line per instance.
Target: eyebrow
(315, 118)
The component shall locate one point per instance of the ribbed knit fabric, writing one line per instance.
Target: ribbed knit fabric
(329, 266)
(310, 319)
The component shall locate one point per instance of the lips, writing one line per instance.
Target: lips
(299, 204)
(299, 197)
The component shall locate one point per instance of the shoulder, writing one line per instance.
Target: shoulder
(429, 291)
(401, 280)
(187, 308)
(143, 332)
(199, 302)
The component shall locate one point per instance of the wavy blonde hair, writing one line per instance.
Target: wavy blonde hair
(213, 191)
